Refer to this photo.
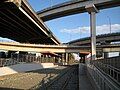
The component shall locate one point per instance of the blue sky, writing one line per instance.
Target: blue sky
(77, 26)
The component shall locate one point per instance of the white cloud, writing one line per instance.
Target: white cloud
(76, 30)
(100, 29)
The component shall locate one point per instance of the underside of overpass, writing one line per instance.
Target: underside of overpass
(19, 22)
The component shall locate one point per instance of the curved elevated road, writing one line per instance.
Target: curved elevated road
(55, 48)
(74, 7)
(102, 39)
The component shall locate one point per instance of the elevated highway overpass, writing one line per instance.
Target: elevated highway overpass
(100, 39)
(19, 22)
(74, 7)
(105, 82)
(55, 48)
(79, 6)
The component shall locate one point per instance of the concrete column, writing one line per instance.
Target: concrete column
(66, 58)
(106, 55)
(63, 59)
(93, 35)
(92, 10)
(17, 56)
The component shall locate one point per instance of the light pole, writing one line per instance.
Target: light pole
(109, 23)
(70, 36)
(51, 3)
(80, 33)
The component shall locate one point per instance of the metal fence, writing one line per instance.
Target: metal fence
(19, 59)
(113, 61)
(104, 75)
(111, 71)
(101, 79)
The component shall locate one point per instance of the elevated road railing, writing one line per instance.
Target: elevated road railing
(112, 61)
(106, 77)
(110, 71)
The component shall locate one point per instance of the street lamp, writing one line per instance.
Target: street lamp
(51, 3)
(109, 23)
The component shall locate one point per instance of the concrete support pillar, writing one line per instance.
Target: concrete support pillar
(66, 58)
(59, 60)
(93, 35)
(92, 10)
(106, 54)
(63, 59)
(17, 56)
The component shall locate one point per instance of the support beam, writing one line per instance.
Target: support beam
(92, 10)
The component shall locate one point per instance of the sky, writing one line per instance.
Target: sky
(77, 26)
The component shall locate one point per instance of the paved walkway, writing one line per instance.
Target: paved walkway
(84, 82)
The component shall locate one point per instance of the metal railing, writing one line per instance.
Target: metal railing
(101, 79)
(104, 75)
(110, 71)
(113, 61)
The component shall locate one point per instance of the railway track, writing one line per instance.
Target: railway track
(67, 81)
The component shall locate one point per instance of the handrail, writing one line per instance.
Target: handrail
(101, 79)
(112, 61)
(110, 71)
